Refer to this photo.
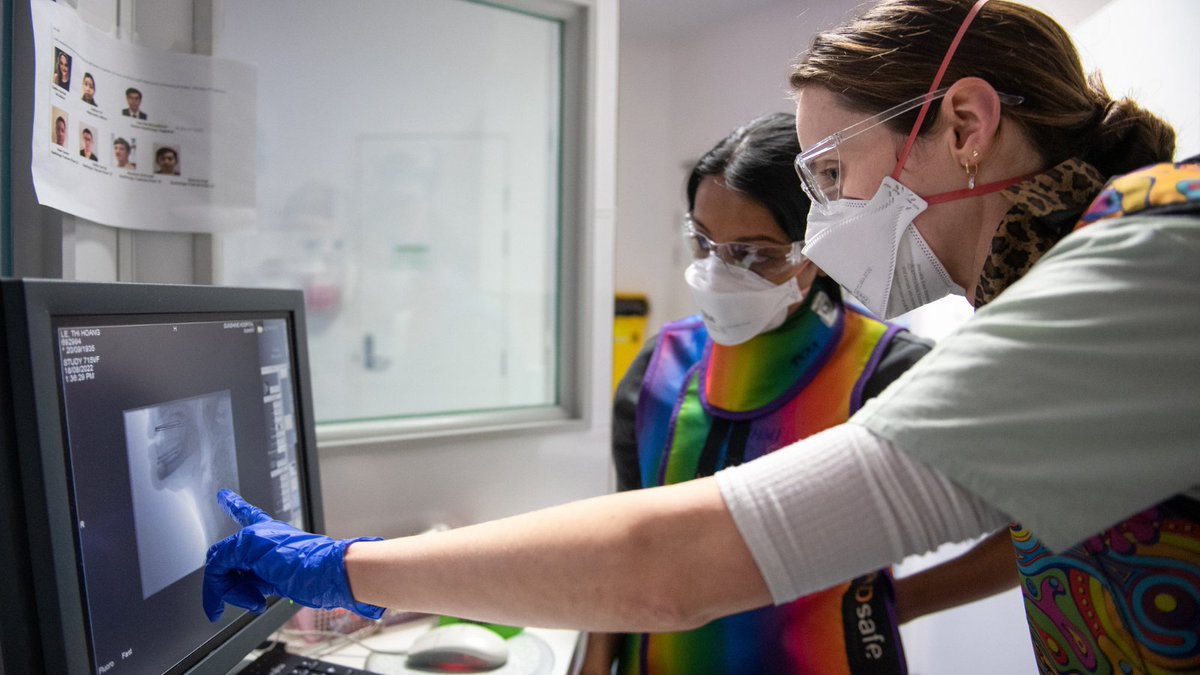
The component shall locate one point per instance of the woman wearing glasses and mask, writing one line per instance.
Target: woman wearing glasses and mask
(1067, 407)
(772, 357)
(1069, 402)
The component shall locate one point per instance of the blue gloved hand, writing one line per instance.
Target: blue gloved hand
(268, 557)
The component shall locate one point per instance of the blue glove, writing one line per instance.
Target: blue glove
(268, 557)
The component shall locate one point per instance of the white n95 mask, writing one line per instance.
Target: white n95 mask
(873, 249)
(737, 304)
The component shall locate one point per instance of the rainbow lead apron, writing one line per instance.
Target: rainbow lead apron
(1126, 601)
(703, 407)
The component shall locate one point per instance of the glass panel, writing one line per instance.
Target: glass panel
(408, 181)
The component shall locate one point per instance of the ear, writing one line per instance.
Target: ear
(970, 113)
(807, 275)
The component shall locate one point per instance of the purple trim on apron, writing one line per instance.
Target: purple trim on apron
(872, 363)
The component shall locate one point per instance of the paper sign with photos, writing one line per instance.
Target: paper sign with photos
(139, 138)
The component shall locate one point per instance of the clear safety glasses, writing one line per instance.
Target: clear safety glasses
(765, 260)
(820, 166)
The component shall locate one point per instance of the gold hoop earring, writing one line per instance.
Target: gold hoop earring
(971, 169)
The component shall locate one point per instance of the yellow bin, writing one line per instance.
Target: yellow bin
(629, 332)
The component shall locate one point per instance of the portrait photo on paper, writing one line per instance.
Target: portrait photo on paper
(89, 89)
(166, 160)
(133, 104)
(124, 153)
(59, 119)
(62, 69)
(87, 143)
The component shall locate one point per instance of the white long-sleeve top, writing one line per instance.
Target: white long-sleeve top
(1069, 403)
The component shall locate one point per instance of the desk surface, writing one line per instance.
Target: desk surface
(536, 651)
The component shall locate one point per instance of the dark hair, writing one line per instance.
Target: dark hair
(756, 159)
(86, 132)
(131, 90)
(122, 141)
(58, 119)
(158, 154)
(88, 76)
(891, 53)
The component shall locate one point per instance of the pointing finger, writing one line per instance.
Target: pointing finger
(243, 512)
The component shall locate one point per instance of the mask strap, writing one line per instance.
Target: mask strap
(937, 80)
(986, 188)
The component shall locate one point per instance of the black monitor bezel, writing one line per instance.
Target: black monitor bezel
(32, 309)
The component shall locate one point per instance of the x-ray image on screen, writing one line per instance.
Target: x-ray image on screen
(180, 454)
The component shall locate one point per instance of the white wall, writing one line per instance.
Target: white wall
(649, 183)
(678, 97)
(391, 489)
(1147, 51)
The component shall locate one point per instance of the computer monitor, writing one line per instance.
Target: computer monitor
(126, 407)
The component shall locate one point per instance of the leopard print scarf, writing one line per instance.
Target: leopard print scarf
(1045, 209)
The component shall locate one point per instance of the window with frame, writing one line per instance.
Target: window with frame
(409, 181)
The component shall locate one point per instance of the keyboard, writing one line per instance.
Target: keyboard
(278, 661)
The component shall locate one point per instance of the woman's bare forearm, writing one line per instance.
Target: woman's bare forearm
(649, 560)
(600, 652)
(988, 568)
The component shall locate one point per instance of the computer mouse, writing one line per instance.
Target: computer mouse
(458, 648)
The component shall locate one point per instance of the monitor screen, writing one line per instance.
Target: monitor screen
(156, 412)
(159, 415)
